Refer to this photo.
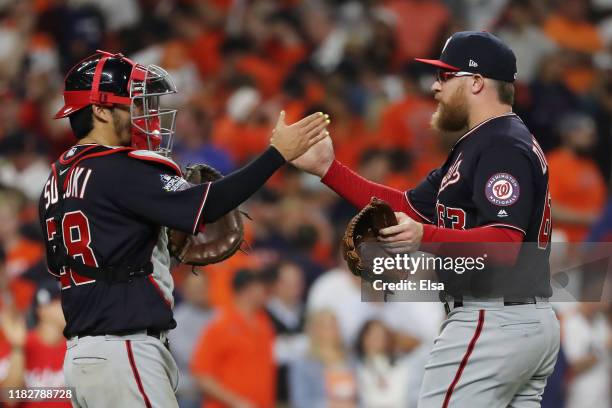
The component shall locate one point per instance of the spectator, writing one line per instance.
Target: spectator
(286, 310)
(383, 378)
(339, 291)
(194, 145)
(602, 229)
(324, 377)
(578, 196)
(571, 30)
(478, 14)
(21, 253)
(13, 336)
(404, 124)
(550, 101)
(522, 34)
(243, 130)
(588, 344)
(233, 363)
(420, 24)
(192, 316)
(45, 346)
(25, 168)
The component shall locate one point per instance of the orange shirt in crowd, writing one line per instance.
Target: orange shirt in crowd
(204, 51)
(241, 140)
(351, 139)
(238, 353)
(579, 36)
(406, 123)
(575, 183)
(220, 277)
(573, 35)
(23, 256)
(267, 74)
(44, 367)
(22, 291)
(419, 25)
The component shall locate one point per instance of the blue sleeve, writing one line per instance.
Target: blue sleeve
(503, 188)
(158, 195)
(422, 198)
(602, 230)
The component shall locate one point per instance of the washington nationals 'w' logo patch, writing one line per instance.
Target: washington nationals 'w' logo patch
(452, 175)
(502, 189)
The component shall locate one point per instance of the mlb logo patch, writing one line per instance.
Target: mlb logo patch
(502, 189)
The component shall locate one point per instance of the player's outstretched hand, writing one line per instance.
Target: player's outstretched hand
(317, 159)
(293, 140)
(404, 237)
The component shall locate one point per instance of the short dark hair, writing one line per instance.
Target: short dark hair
(244, 278)
(81, 122)
(505, 92)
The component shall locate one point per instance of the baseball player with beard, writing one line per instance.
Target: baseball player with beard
(103, 212)
(500, 340)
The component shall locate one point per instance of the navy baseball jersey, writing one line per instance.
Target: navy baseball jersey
(496, 175)
(117, 202)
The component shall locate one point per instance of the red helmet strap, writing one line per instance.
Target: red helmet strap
(97, 97)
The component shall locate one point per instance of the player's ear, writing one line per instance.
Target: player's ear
(102, 113)
(478, 82)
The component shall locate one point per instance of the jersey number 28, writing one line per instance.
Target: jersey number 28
(77, 240)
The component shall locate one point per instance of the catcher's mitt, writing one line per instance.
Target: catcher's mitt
(220, 239)
(364, 228)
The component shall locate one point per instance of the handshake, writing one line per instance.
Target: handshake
(306, 143)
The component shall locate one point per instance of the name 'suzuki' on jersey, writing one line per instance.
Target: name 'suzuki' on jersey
(77, 184)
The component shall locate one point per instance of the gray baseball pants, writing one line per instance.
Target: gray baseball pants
(135, 370)
(488, 355)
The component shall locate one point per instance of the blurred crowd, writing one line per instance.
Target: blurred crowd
(284, 324)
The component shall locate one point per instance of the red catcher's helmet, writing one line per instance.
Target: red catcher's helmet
(107, 79)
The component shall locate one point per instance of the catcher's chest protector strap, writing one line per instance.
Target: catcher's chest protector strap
(58, 255)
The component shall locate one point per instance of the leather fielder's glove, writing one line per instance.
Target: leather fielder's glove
(220, 239)
(364, 228)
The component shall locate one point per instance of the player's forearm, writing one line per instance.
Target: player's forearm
(502, 245)
(232, 190)
(358, 190)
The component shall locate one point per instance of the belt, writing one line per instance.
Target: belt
(508, 301)
(161, 335)
(513, 302)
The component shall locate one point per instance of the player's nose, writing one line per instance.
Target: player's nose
(436, 87)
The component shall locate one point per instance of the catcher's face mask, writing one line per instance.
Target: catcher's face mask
(108, 79)
(152, 126)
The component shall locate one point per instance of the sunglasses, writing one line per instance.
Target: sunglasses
(443, 76)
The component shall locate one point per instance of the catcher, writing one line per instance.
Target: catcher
(104, 210)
